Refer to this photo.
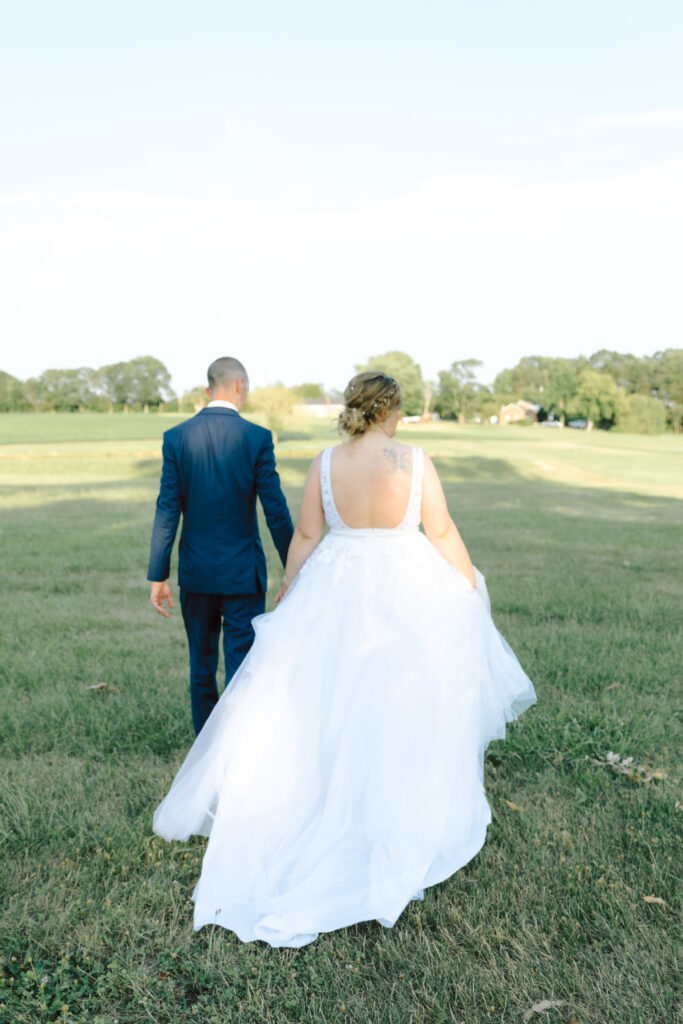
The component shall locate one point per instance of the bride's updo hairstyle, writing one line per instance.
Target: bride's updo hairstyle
(366, 398)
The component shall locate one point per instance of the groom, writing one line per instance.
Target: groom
(214, 466)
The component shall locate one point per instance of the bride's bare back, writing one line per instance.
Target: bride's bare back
(371, 479)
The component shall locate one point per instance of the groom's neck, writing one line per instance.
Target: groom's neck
(232, 394)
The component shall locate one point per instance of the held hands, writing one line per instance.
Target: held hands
(161, 592)
(282, 591)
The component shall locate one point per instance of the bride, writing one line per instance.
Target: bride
(341, 772)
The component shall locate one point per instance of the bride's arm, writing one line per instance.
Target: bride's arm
(309, 528)
(439, 527)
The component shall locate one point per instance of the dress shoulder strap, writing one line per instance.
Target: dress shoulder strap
(324, 465)
(412, 517)
(419, 463)
(329, 508)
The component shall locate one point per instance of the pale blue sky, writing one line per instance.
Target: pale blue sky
(306, 184)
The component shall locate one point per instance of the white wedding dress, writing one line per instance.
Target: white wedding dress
(341, 772)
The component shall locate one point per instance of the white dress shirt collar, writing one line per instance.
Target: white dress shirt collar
(218, 402)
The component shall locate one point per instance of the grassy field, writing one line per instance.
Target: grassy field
(573, 898)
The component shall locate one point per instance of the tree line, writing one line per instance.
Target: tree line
(607, 390)
(136, 384)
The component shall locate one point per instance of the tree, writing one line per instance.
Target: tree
(33, 393)
(597, 398)
(630, 373)
(430, 388)
(532, 376)
(504, 383)
(67, 390)
(151, 381)
(406, 372)
(528, 378)
(114, 383)
(563, 384)
(314, 392)
(458, 390)
(139, 382)
(489, 403)
(641, 414)
(666, 377)
(193, 400)
(274, 404)
(11, 394)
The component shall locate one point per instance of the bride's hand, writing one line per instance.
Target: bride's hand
(282, 591)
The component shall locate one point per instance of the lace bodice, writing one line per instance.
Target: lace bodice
(410, 521)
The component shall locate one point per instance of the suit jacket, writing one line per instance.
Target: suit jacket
(214, 466)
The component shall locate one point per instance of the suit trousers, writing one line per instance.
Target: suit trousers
(203, 615)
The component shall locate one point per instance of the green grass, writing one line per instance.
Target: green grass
(579, 538)
(54, 428)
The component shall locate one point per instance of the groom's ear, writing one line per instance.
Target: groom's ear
(208, 391)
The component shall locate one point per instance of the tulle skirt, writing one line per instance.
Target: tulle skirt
(341, 772)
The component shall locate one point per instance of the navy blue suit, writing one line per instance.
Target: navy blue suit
(214, 466)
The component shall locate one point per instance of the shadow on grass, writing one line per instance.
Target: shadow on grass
(453, 433)
(293, 435)
(471, 468)
(492, 483)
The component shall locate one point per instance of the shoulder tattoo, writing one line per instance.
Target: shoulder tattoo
(398, 460)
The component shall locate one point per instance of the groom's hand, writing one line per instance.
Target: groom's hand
(161, 592)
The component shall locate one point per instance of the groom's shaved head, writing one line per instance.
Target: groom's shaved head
(225, 371)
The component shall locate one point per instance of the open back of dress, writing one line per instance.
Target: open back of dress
(411, 519)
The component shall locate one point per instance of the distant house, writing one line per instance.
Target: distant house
(516, 412)
(320, 410)
(426, 417)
